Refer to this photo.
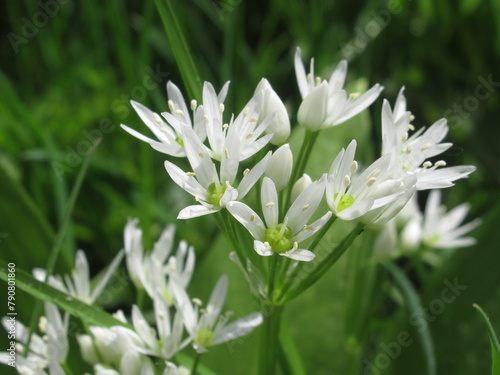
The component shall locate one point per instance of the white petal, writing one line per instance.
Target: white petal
(300, 72)
(356, 106)
(107, 275)
(196, 210)
(239, 328)
(217, 298)
(305, 205)
(248, 218)
(299, 254)
(269, 199)
(188, 183)
(262, 249)
(249, 180)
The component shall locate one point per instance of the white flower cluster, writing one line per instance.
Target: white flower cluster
(128, 349)
(228, 160)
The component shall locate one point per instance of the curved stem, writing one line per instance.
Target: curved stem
(300, 165)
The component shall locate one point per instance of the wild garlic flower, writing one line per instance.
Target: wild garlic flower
(166, 340)
(272, 105)
(441, 229)
(351, 195)
(213, 191)
(78, 285)
(282, 237)
(300, 185)
(247, 128)
(409, 154)
(46, 353)
(325, 103)
(207, 327)
(154, 270)
(168, 128)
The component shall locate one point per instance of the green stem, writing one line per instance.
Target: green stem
(300, 165)
(324, 264)
(195, 363)
(313, 245)
(66, 369)
(270, 340)
(272, 275)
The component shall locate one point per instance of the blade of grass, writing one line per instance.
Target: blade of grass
(414, 306)
(44, 292)
(180, 50)
(495, 346)
(289, 353)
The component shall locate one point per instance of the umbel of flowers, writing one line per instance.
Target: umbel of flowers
(243, 173)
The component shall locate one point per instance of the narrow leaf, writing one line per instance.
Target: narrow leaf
(289, 353)
(414, 306)
(495, 346)
(180, 50)
(46, 293)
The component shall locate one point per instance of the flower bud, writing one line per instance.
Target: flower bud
(411, 235)
(271, 103)
(314, 108)
(300, 185)
(87, 349)
(280, 167)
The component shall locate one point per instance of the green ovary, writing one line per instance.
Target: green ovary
(204, 337)
(346, 201)
(180, 141)
(215, 194)
(279, 243)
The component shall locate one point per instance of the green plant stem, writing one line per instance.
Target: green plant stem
(272, 276)
(270, 340)
(223, 221)
(300, 165)
(324, 265)
(195, 363)
(313, 245)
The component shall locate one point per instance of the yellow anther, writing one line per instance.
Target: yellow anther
(190, 174)
(270, 204)
(157, 118)
(371, 181)
(171, 106)
(440, 163)
(305, 207)
(194, 104)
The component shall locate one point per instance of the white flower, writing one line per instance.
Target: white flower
(78, 285)
(351, 196)
(409, 154)
(272, 105)
(166, 340)
(246, 128)
(154, 270)
(213, 191)
(325, 103)
(280, 167)
(207, 327)
(169, 133)
(43, 353)
(441, 229)
(283, 237)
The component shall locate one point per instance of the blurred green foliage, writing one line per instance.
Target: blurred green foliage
(67, 77)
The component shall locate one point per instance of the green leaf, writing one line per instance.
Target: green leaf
(180, 50)
(187, 361)
(495, 346)
(46, 293)
(414, 306)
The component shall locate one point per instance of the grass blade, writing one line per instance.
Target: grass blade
(180, 50)
(413, 303)
(46, 293)
(495, 346)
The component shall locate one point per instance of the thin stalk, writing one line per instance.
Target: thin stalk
(325, 265)
(270, 341)
(225, 226)
(300, 165)
(313, 245)
(195, 363)
(272, 276)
